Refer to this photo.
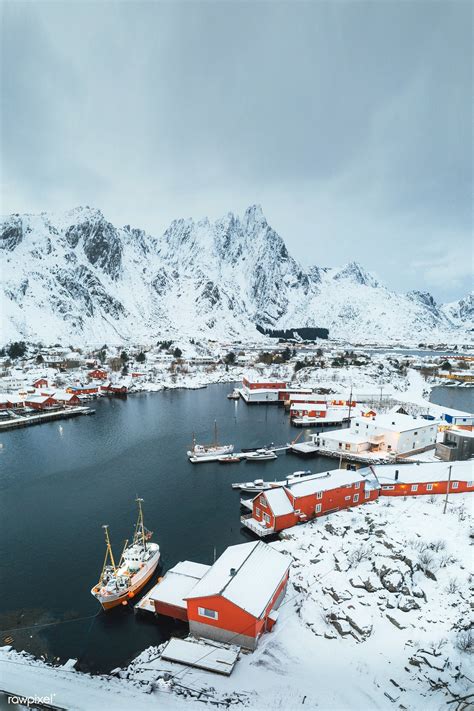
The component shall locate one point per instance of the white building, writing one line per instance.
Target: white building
(392, 433)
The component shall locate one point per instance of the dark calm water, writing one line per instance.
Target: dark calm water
(58, 486)
(455, 397)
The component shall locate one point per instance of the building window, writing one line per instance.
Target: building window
(318, 508)
(357, 485)
(347, 498)
(389, 446)
(319, 495)
(388, 488)
(356, 498)
(205, 612)
(266, 518)
(429, 487)
(414, 487)
(257, 511)
(340, 445)
(367, 494)
(455, 484)
(415, 434)
(470, 483)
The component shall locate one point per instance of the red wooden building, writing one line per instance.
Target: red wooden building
(308, 498)
(263, 385)
(425, 479)
(40, 383)
(169, 596)
(40, 402)
(97, 374)
(238, 598)
(83, 389)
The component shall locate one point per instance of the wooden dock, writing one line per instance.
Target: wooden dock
(30, 420)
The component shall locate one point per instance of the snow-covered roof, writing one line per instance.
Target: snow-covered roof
(301, 406)
(259, 569)
(425, 472)
(395, 422)
(344, 435)
(38, 398)
(278, 501)
(331, 480)
(178, 583)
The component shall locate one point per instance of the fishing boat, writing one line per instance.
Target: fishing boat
(234, 395)
(118, 583)
(210, 450)
(260, 455)
(260, 485)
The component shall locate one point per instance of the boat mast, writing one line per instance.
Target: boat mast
(140, 520)
(215, 432)
(109, 547)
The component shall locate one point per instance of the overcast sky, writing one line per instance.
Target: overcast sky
(349, 122)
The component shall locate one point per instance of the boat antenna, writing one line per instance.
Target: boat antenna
(140, 520)
(109, 547)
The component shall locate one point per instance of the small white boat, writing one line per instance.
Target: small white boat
(229, 459)
(260, 485)
(260, 455)
(234, 395)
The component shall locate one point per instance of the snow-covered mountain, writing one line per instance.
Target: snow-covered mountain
(75, 278)
(461, 312)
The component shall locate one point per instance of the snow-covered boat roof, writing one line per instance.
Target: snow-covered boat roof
(425, 472)
(246, 574)
(278, 501)
(331, 480)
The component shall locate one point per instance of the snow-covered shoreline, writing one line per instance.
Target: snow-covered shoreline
(376, 616)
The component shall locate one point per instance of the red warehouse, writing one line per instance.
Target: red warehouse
(237, 599)
(310, 497)
(425, 479)
(40, 402)
(168, 597)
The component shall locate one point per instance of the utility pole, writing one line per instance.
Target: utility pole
(447, 489)
(350, 405)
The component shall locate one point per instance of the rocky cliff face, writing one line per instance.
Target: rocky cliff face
(74, 277)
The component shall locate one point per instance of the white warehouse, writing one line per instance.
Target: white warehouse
(392, 433)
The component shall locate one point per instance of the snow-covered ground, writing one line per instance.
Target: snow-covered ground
(376, 616)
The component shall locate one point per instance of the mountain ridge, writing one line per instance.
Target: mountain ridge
(75, 276)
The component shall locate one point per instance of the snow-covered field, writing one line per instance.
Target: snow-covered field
(376, 616)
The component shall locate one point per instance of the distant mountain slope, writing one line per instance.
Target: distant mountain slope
(74, 277)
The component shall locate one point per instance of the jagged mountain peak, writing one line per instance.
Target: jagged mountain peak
(75, 276)
(354, 272)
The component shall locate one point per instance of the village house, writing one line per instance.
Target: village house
(393, 433)
(457, 444)
(284, 507)
(65, 398)
(40, 402)
(97, 374)
(425, 478)
(40, 383)
(235, 600)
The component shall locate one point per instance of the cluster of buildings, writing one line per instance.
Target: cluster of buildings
(283, 507)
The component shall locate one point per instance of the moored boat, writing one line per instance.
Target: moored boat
(229, 459)
(260, 485)
(260, 455)
(138, 562)
(234, 395)
(209, 450)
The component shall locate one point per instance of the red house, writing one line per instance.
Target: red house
(83, 389)
(97, 374)
(425, 479)
(168, 597)
(310, 497)
(261, 385)
(305, 409)
(237, 600)
(40, 383)
(274, 510)
(40, 402)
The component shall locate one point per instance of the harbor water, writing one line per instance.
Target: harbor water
(59, 482)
